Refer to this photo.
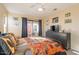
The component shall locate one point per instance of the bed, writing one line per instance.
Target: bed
(31, 46)
(41, 46)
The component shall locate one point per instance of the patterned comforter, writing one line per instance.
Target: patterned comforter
(42, 46)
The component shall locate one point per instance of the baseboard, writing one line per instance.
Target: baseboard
(75, 51)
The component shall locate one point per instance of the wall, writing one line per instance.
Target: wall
(15, 26)
(17, 29)
(70, 27)
(3, 15)
(46, 22)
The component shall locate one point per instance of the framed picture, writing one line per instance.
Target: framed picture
(68, 14)
(55, 20)
(68, 20)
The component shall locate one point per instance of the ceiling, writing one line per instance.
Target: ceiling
(31, 9)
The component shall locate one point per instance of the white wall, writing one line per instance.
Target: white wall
(3, 14)
(15, 26)
(72, 27)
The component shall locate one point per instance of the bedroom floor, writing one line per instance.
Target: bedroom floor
(69, 52)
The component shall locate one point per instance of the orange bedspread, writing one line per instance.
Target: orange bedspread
(43, 46)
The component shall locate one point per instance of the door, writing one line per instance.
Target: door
(29, 28)
(35, 28)
(32, 28)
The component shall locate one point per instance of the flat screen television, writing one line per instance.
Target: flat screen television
(55, 28)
